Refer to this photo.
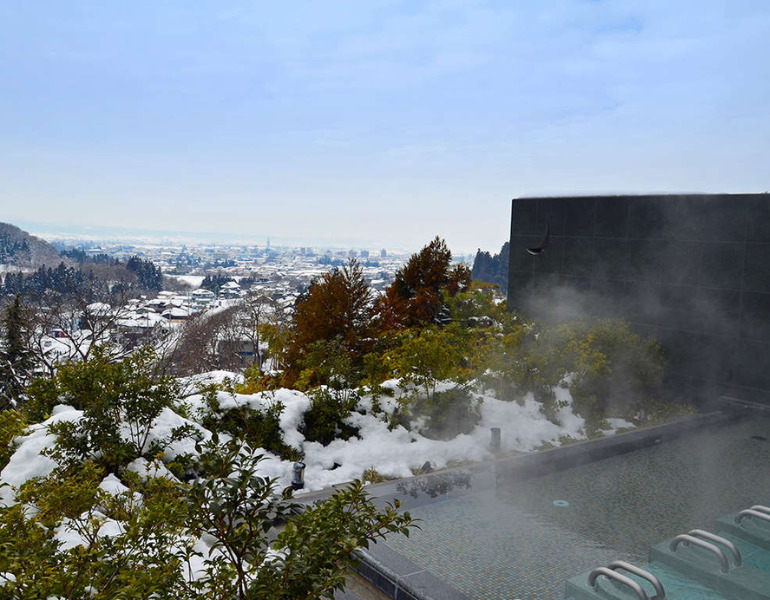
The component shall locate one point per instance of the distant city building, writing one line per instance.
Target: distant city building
(383, 253)
(364, 254)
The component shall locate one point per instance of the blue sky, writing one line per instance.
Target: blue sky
(380, 122)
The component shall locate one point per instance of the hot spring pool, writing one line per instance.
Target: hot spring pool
(524, 539)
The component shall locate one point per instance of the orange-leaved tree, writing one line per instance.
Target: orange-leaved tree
(417, 295)
(335, 311)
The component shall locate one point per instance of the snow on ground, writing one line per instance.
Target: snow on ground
(202, 380)
(28, 461)
(391, 452)
(147, 469)
(396, 452)
(69, 531)
(616, 424)
(194, 281)
(112, 485)
(162, 429)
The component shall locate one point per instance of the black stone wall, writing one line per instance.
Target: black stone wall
(690, 270)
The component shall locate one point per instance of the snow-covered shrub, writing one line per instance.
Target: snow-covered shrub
(325, 421)
(448, 413)
(121, 403)
(258, 427)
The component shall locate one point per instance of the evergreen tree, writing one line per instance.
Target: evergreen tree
(416, 297)
(150, 277)
(16, 361)
(492, 269)
(215, 282)
(337, 308)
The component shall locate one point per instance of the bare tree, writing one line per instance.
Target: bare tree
(68, 326)
(260, 309)
(228, 339)
(208, 341)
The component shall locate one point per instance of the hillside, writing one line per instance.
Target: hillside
(20, 249)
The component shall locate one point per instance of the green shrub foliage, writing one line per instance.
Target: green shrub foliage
(141, 543)
(258, 428)
(325, 421)
(449, 413)
(120, 401)
(12, 425)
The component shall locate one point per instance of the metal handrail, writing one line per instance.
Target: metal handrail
(660, 593)
(689, 539)
(760, 508)
(751, 512)
(627, 581)
(712, 537)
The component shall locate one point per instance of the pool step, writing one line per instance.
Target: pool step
(752, 525)
(676, 587)
(731, 565)
(702, 564)
(753, 555)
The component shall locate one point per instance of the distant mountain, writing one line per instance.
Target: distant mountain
(492, 269)
(20, 249)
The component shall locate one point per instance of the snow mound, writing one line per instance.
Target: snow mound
(28, 461)
(391, 451)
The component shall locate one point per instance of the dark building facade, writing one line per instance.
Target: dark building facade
(690, 270)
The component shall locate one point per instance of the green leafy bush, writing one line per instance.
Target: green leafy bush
(613, 372)
(148, 554)
(448, 413)
(308, 559)
(120, 403)
(258, 428)
(325, 421)
(141, 558)
(12, 425)
(316, 548)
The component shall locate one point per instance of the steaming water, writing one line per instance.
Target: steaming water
(516, 543)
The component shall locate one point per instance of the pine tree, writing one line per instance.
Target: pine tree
(16, 362)
(336, 309)
(150, 277)
(492, 269)
(416, 297)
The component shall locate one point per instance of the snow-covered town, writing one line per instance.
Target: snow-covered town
(256, 282)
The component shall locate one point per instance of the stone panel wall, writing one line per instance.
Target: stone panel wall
(691, 270)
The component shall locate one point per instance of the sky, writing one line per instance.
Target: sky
(371, 123)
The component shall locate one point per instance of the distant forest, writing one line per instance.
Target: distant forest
(69, 272)
(9, 249)
(492, 269)
(133, 275)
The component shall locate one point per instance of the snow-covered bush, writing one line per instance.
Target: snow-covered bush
(80, 534)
